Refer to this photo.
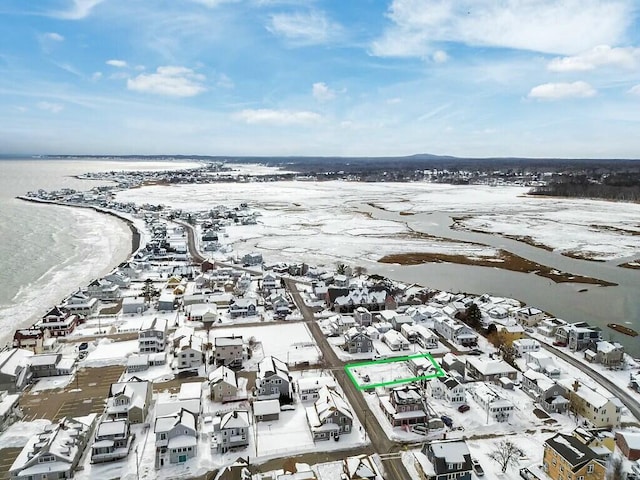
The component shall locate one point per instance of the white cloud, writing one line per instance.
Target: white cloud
(599, 56)
(79, 10)
(305, 28)
(277, 117)
(117, 63)
(168, 80)
(440, 56)
(322, 92)
(96, 76)
(54, 37)
(635, 90)
(224, 81)
(50, 107)
(556, 91)
(548, 26)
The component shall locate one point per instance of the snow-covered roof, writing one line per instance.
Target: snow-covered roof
(225, 374)
(315, 383)
(13, 359)
(266, 407)
(156, 324)
(451, 452)
(490, 367)
(235, 419)
(228, 341)
(589, 395)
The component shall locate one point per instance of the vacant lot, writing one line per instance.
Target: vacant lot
(85, 394)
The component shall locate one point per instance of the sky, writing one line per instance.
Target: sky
(474, 78)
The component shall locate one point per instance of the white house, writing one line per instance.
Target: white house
(231, 430)
(395, 341)
(152, 336)
(308, 387)
(447, 388)
(495, 405)
(523, 346)
(176, 437)
(529, 316)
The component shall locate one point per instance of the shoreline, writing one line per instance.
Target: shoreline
(136, 236)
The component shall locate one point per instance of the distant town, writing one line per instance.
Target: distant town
(191, 360)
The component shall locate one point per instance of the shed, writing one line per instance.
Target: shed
(266, 410)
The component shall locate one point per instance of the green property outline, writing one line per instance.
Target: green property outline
(438, 373)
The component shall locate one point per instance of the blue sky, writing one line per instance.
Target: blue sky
(301, 77)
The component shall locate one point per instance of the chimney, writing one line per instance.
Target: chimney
(576, 385)
(235, 414)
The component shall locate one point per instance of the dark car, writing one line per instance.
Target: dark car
(463, 408)
(558, 343)
(83, 346)
(447, 421)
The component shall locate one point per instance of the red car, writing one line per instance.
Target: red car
(559, 344)
(463, 408)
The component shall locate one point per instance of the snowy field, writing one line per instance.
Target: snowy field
(321, 222)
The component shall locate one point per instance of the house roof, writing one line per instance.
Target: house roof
(490, 367)
(446, 453)
(330, 401)
(181, 418)
(266, 407)
(11, 361)
(157, 324)
(572, 450)
(235, 419)
(632, 439)
(227, 341)
(270, 366)
(221, 374)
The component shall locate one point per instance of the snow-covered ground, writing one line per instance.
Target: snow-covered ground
(322, 222)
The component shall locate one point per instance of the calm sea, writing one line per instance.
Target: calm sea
(48, 251)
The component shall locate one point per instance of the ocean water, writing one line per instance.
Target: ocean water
(48, 251)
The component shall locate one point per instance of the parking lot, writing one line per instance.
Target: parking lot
(85, 394)
(7, 456)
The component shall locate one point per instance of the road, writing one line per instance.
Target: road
(619, 391)
(394, 468)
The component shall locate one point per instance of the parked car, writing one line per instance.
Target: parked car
(463, 408)
(475, 351)
(83, 346)
(447, 421)
(558, 343)
(477, 468)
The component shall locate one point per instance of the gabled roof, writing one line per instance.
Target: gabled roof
(235, 419)
(572, 450)
(444, 453)
(221, 374)
(183, 418)
(270, 366)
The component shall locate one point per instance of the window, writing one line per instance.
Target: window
(590, 468)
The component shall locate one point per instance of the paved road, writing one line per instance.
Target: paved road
(618, 390)
(394, 468)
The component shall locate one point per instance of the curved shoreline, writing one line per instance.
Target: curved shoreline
(135, 233)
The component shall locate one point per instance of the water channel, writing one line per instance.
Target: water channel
(572, 302)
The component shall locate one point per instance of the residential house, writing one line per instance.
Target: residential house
(58, 322)
(152, 336)
(266, 410)
(189, 353)
(176, 437)
(243, 307)
(601, 440)
(223, 384)
(510, 333)
(451, 363)
(395, 341)
(344, 300)
(549, 394)
(55, 452)
(605, 353)
(404, 406)
(594, 407)
(104, 290)
(207, 313)
(9, 409)
(360, 467)
(330, 416)
(269, 281)
(166, 302)
(629, 444)
(493, 403)
(529, 316)
(525, 345)
(112, 441)
(134, 305)
(80, 303)
(51, 365)
(565, 455)
(447, 388)
(455, 331)
(343, 323)
(15, 373)
(578, 336)
(273, 380)
(279, 303)
(362, 316)
(119, 278)
(252, 259)
(228, 351)
(341, 281)
(425, 337)
(549, 326)
(309, 387)
(129, 400)
(31, 339)
(444, 460)
(357, 341)
(543, 362)
(489, 370)
(398, 321)
(231, 430)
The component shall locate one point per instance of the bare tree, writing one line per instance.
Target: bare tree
(505, 454)
(615, 471)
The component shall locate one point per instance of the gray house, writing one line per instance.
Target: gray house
(356, 341)
(152, 336)
(15, 373)
(112, 441)
(176, 437)
(231, 431)
(228, 351)
(273, 380)
(330, 416)
(448, 460)
(550, 395)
